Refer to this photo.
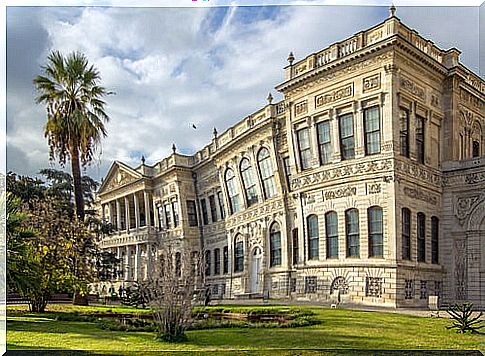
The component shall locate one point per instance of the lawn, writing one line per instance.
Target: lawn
(339, 329)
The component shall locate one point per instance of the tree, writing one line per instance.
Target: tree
(19, 267)
(170, 289)
(75, 113)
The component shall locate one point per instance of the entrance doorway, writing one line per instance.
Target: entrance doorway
(255, 270)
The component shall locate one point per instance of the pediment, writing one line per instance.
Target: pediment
(118, 175)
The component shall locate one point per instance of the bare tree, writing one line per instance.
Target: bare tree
(171, 288)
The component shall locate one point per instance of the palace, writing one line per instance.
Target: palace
(366, 183)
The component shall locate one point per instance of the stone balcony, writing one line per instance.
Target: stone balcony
(144, 234)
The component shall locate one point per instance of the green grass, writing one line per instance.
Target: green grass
(340, 329)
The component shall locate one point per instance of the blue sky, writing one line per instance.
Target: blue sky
(171, 67)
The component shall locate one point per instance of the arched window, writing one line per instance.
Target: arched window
(275, 245)
(238, 255)
(352, 232)
(312, 224)
(249, 182)
(331, 229)
(267, 173)
(476, 139)
(235, 203)
(376, 242)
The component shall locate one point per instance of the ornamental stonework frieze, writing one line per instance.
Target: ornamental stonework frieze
(341, 172)
(420, 194)
(345, 71)
(340, 193)
(373, 188)
(463, 206)
(412, 87)
(125, 190)
(301, 108)
(371, 83)
(474, 178)
(420, 172)
(215, 240)
(471, 100)
(255, 213)
(120, 179)
(343, 92)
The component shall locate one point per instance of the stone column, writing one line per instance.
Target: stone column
(137, 276)
(155, 215)
(127, 263)
(146, 200)
(137, 211)
(359, 132)
(118, 214)
(335, 133)
(103, 217)
(118, 256)
(127, 214)
(315, 149)
(110, 207)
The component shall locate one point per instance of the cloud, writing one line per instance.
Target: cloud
(171, 67)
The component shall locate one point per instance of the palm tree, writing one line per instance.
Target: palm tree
(75, 113)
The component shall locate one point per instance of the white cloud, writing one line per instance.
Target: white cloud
(171, 67)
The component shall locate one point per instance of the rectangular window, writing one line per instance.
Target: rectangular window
(435, 222)
(406, 234)
(421, 237)
(475, 149)
(376, 243)
(352, 231)
(310, 284)
(420, 139)
(225, 263)
(212, 205)
(347, 144)
(175, 210)
(295, 246)
(205, 216)
(207, 263)
(372, 127)
(324, 142)
(305, 149)
(221, 205)
(168, 215)
(404, 132)
(217, 261)
(192, 213)
(408, 289)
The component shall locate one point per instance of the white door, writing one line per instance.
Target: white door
(255, 269)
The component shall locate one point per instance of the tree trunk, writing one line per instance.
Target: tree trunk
(76, 176)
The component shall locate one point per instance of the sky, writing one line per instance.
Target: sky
(174, 67)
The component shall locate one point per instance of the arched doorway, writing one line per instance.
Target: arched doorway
(256, 260)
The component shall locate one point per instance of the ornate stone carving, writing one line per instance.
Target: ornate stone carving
(423, 173)
(371, 83)
(255, 213)
(474, 178)
(460, 269)
(421, 194)
(464, 206)
(412, 87)
(340, 193)
(373, 188)
(119, 179)
(335, 95)
(301, 108)
(373, 287)
(345, 171)
(339, 284)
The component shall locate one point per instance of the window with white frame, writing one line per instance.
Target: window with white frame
(234, 198)
(324, 142)
(372, 129)
(304, 148)
(249, 182)
(267, 173)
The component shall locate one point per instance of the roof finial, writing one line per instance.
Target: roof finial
(174, 148)
(270, 98)
(392, 10)
(143, 160)
(291, 58)
(214, 132)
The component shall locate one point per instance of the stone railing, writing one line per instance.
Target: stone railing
(361, 40)
(122, 238)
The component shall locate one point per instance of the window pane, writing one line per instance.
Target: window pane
(212, 205)
(238, 257)
(232, 191)
(420, 139)
(421, 237)
(347, 136)
(304, 146)
(324, 142)
(352, 230)
(275, 245)
(331, 228)
(434, 239)
(375, 232)
(249, 182)
(404, 132)
(267, 173)
(313, 243)
(406, 234)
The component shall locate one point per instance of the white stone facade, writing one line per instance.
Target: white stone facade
(366, 183)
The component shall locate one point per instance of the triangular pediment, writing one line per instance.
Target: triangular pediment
(118, 175)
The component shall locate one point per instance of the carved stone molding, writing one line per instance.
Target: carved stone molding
(335, 95)
(464, 205)
(460, 269)
(420, 172)
(371, 83)
(345, 171)
(255, 213)
(339, 193)
(412, 87)
(420, 194)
